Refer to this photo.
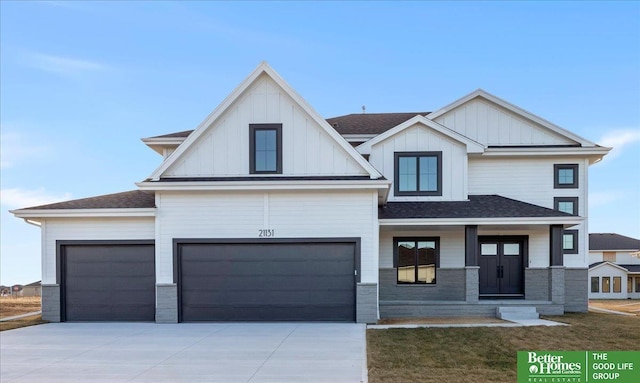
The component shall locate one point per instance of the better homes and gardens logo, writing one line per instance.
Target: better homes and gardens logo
(578, 366)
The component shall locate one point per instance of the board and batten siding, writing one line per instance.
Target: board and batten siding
(419, 138)
(299, 214)
(492, 125)
(531, 180)
(88, 229)
(223, 149)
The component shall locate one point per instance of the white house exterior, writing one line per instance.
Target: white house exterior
(268, 212)
(614, 266)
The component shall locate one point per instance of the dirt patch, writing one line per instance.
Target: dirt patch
(22, 322)
(444, 320)
(631, 306)
(10, 306)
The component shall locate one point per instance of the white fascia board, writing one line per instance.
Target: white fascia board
(263, 67)
(471, 145)
(163, 140)
(358, 137)
(598, 151)
(607, 263)
(265, 185)
(569, 221)
(515, 109)
(76, 213)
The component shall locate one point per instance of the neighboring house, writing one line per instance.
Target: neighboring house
(266, 212)
(5, 291)
(32, 289)
(614, 270)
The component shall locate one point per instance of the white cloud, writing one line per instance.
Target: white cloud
(63, 65)
(15, 198)
(619, 139)
(14, 147)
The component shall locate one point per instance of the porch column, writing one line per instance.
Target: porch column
(472, 270)
(556, 265)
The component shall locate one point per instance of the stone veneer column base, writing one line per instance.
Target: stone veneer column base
(472, 284)
(556, 284)
(51, 303)
(367, 302)
(166, 303)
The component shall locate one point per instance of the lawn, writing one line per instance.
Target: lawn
(10, 306)
(484, 354)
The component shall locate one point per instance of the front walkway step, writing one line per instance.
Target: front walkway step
(516, 313)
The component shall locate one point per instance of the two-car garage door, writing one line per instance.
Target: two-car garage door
(298, 281)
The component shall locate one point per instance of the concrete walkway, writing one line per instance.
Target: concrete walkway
(20, 316)
(606, 311)
(186, 352)
(518, 323)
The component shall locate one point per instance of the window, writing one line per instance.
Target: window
(629, 284)
(570, 242)
(416, 260)
(637, 284)
(606, 284)
(595, 284)
(565, 176)
(265, 148)
(566, 204)
(609, 256)
(617, 284)
(418, 173)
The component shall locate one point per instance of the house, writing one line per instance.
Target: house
(268, 212)
(32, 289)
(614, 266)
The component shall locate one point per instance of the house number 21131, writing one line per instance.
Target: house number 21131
(266, 233)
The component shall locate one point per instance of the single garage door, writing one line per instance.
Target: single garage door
(108, 282)
(267, 281)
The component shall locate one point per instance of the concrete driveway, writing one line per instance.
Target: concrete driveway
(186, 352)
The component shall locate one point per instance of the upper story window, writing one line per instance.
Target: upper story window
(418, 173)
(265, 148)
(565, 176)
(566, 204)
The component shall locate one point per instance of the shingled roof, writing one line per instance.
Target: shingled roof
(612, 241)
(358, 123)
(370, 123)
(478, 206)
(126, 200)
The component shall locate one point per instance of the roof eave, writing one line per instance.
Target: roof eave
(381, 184)
(77, 213)
(567, 221)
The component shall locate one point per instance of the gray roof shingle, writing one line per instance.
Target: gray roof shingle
(478, 206)
(126, 200)
(612, 241)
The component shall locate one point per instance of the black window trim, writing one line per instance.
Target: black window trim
(396, 163)
(252, 147)
(574, 249)
(595, 288)
(574, 200)
(556, 174)
(415, 239)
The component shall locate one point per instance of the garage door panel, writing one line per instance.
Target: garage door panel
(278, 281)
(109, 282)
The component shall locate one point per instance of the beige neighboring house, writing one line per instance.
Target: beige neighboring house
(32, 289)
(614, 266)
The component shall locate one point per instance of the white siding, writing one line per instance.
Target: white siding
(290, 214)
(451, 246)
(608, 271)
(223, 149)
(420, 138)
(73, 229)
(490, 124)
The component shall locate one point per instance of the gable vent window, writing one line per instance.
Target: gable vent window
(565, 176)
(265, 148)
(418, 173)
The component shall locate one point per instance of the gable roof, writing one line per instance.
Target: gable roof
(471, 145)
(478, 206)
(370, 123)
(513, 108)
(597, 265)
(134, 199)
(612, 241)
(266, 69)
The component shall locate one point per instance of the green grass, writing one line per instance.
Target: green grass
(485, 354)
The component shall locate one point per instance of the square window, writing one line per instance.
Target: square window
(565, 176)
(606, 284)
(418, 173)
(570, 242)
(568, 205)
(416, 260)
(595, 284)
(265, 148)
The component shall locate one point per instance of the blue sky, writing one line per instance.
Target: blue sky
(81, 83)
